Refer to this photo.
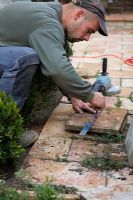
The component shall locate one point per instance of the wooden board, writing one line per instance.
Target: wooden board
(109, 119)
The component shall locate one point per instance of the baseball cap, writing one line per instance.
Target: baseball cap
(96, 7)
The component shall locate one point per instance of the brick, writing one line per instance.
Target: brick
(92, 149)
(69, 174)
(51, 148)
(126, 83)
(127, 68)
(110, 118)
(116, 81)
(121, 74)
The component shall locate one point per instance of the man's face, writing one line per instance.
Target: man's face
(81, 29)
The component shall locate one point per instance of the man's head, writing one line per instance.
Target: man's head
(82, 18)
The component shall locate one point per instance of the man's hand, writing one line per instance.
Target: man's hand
(98, 100)
(78, 105)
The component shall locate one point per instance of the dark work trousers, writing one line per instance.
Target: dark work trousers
(17, 68)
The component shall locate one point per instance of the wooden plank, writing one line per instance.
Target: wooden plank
(109, 119)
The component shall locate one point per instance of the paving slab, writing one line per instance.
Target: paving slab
(109, 119)
(51, 148)
(127, 104)
(55, 126)
(58, 152)
(70, 174)
(90, 149)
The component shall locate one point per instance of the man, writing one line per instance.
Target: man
(36, 33)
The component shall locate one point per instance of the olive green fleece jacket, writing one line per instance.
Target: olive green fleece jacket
(38, 25)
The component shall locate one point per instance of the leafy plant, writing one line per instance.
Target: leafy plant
(11, 129)
(47, 191)
(39, 192)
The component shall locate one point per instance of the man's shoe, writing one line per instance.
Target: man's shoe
(29, 138)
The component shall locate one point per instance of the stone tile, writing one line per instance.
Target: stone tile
(51, 148)
(55, 126)
(110, 118)
(126, 83)
(64, 99)
(92, 149)
(110, 101)
(70, 174)
(127, 104)
(71, 197)
(118, 191)
(125, 92)
(129, 119)
(121, 74)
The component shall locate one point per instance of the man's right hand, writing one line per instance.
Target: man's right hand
(98, 100)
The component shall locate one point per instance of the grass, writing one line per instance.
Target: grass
(118, 103)
(108, 138)
(102, 163)
(39, 192)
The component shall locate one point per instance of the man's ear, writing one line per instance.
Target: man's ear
(80, 14)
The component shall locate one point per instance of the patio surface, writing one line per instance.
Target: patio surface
(58, 153)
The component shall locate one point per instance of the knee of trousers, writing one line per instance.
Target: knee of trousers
(28, 57)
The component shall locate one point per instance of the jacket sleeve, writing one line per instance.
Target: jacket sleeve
(48, 41)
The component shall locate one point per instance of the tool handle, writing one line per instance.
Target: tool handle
(104, 67)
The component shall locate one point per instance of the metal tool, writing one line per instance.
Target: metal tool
(103, 82)
(89, 125)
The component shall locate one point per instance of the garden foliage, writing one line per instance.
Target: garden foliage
(11, 129)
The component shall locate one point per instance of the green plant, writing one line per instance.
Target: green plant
(11, 129)
(103, 163)
(47, 191)
(118, 103)
(108, 138)
(39, 192)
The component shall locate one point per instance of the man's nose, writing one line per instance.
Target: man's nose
(87, 37)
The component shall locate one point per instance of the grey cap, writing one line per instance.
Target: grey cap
(96, 7)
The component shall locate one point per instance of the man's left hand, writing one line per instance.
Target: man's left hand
(78, 105)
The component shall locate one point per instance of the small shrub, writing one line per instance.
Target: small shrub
(11, 129)
(47, 192)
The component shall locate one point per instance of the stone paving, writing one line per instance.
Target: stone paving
(58, 153)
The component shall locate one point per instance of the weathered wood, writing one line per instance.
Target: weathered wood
(109, 119)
